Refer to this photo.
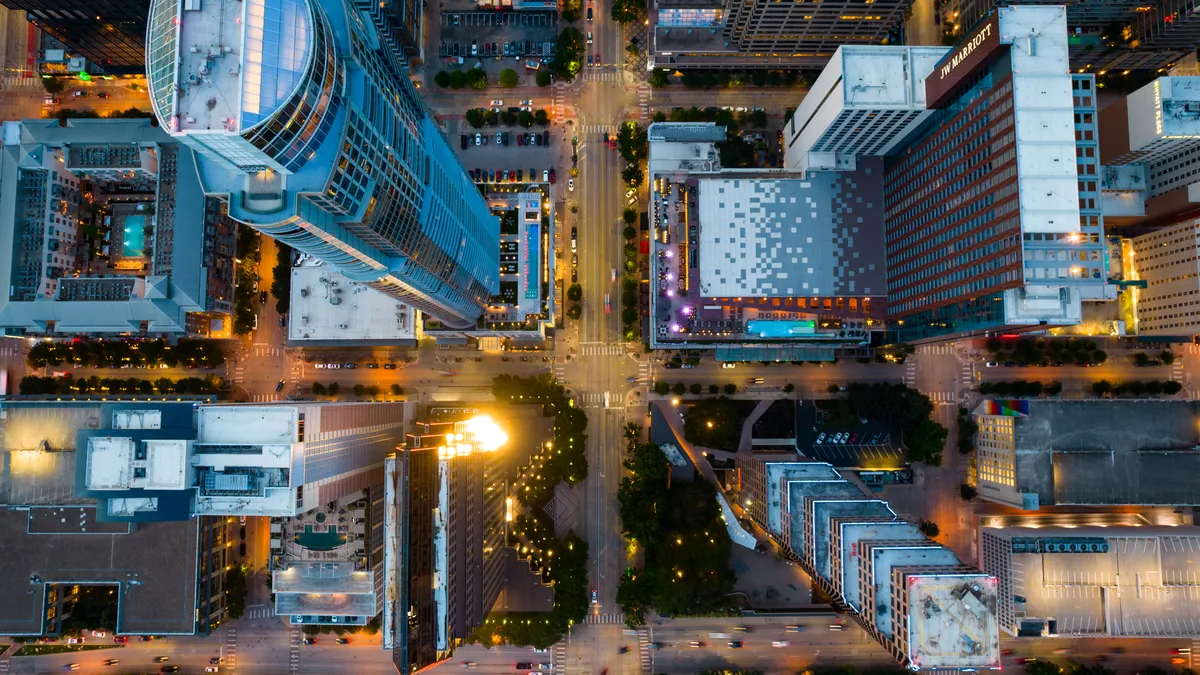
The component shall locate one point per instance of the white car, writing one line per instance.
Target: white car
(545, 175)
(332, 366)
(211, 669)
(570, 184)
(478, 139)
(779, 643)
(740, 108)
(320, 366)
(589, 37)
(99, 633)
(497, 102)
(527, 101)
(729, 365)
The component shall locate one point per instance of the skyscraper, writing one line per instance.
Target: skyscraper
(309, 128)
(109, 33)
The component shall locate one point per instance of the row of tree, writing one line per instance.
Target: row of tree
(478, 118)
(1136, 388)
(1020, 388)
(679, 389)
(117, 353)
(32, 385)
(908, 410)
(678, 528)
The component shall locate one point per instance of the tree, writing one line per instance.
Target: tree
(833, 389)
(475, 118)
(509, 78)
(1166, 357)
(541, 117)
(1140, 359)
(1099, 356)
(696, 388)
(659, 79)
(574, 312)
(1171, 387)
(662, 388)
(678, 388)
(730, 389)
(1040, 667)
(568, 61)
(525, 118)
(397, 390)
(630, 216)
(333, 389)
(659, 116)
(360, 390)
(627, 11)
(632, 142)
(571, 10)
(477, 79)
(929, 528)
(968, 492)
(458, 79)
(628, 232)
(318, 389)
(789, 388)
(632, 174)
(575, 293)
(713, 389)
(1101, 387)
(442, 79)
(543, 78)
(925, 442)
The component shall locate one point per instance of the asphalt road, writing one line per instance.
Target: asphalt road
(25, 100)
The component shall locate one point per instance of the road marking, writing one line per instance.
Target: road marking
(604, 618)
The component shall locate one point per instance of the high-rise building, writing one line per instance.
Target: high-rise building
(110, 233)
(1166, 260)
(864, 103)
(1093, 581)
(109, 33)
(766, 35)
(880, 567)
(992, 221)
(310, 130)
(1034, 453)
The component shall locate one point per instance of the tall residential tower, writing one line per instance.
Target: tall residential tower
(308, 126)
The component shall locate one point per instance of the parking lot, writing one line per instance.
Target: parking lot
(529, 160)
(494, 41)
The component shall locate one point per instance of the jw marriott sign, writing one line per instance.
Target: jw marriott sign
(966, 57)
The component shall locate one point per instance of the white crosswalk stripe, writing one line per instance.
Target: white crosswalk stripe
(604, 618)
(968, 373)
(264, 612)
(267, 351)
(229, 650)
(1177, 370)
(939, 348)
(603, 75)
(645, 373)
(942, 397)
(560, 373)
(10, 351)
(265, 398)
(12, 82)
(558, 658)
(238, 374)
(598, 128)
(602, 350)
(294, 650)
(910, 373)
(645, 654)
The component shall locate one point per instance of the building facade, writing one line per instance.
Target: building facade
(111, 34)
(111, 233)
(880, 568)
(766, 35)
(864, 103)
(983, 215)
(1168, 261)
(308, 127)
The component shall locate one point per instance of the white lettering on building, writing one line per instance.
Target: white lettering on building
(966, 50)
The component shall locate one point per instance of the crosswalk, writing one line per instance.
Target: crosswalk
(265, 398)
(259, 612)
(238, 373)
(294, 650)
(559, 657)
(645, 373)
(10, 351)
(592, 400)
(967, 371)
(601, 350)
(603, 75)
(910, 373)
(1177, 370)
(229, 650)
(645, 654)
(267, 350)
(14, 82)
(943, 397)
(297, 371)
(604, 618)
(592, 129)
(643, 92)
(945, 348)
(560, 372)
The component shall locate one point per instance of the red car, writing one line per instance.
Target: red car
(520, 139)
(120, 639)
(598, 61)
(552, 175)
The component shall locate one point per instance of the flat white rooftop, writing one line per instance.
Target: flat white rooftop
(328, 306)
(247, 425)
(111, 464)
(885, 76)
(952, 621)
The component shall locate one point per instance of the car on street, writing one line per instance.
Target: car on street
(279, 386)
(478, 139)
(729, 365)
(527, 101)
(169, 669)
(389, 366)
(462, 141)
(120, 639)
(595, 597)
(79, 93)
(71, 666)
(551, 175)
(111, 662)
(590, 63)
(310, 641)
(779, 643)
(571, 185)
(103, 94)
(75, 641)
(546, 175)
(607, 304)
(99, 633)
(589, 37)
(697, 643)
(497, 102)
(342, 641)
(589, 14)
(262, 297)
(991, 364)
(349, 365)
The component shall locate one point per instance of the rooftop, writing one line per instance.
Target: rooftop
(1086, 452)
(882, 76)
(852, 537)
(328, 308)
(66, 545)
(1145, 584)
(247, 425)
(238, 61)
(953, 621)
(885, 556)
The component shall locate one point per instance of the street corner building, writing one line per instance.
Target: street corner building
(306, 123)
(930, 610)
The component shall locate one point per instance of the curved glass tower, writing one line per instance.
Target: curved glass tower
(307, 124)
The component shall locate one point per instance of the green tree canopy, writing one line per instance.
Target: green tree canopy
(509, 78)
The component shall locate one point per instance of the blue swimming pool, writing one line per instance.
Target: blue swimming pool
(325, 540)
(134, 237)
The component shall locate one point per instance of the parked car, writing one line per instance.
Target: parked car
(389, 366)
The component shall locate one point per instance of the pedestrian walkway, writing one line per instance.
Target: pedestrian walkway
(601, 350)
(15, 82)
(560, 373)
(10, 351)
(297, 371)
(592, 400)
(266, 350)
(945, 348)
(229, 650)
(645, 373)
(968, 374)
(598, 129)
(265, 398)
(645, 654)
(943, 397)
(910, 372)
(604, 618)
(1177, 370)
(259, 612)
(558, 659)
(294, 650)
(603, 75)
(238, 374)
(643, 92)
